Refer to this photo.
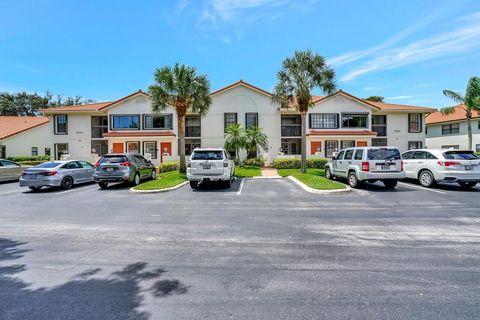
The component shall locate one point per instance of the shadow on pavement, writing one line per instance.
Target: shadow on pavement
(446, 186)
(88, 296)
(57, 189)
(218, 187)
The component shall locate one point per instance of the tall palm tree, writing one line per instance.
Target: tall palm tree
(182, 88)
(255, 137)
(471, 100)
(235, 139)
(299, 75)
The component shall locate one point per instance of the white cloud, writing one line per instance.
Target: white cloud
(400, 97)
(229, 10)
(368, 88)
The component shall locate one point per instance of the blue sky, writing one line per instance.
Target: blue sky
(407, 51)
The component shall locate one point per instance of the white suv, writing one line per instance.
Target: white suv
(210, 164)
(368, 164)
(430, 166)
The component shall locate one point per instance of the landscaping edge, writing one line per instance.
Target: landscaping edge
(317, 191)
(158, 190)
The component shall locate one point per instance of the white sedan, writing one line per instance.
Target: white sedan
(430, 166)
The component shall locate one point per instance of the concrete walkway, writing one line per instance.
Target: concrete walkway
(270, 172)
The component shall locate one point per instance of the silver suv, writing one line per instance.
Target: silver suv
(210, 164)
(368, 164)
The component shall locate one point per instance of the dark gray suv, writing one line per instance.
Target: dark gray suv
(123, 167)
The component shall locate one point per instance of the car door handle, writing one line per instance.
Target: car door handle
(349, 162)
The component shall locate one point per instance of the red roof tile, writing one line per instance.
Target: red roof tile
(341, 133)
(10, 126)
(83, 107)
(458, 115)
(139, 134)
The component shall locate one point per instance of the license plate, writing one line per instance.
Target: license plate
(385, 167)
(207, 166)
(31, 176)
(109, 169)
(468, 167)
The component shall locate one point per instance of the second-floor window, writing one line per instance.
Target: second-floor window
(291, 126)
(122, 122)
(61, 124)
(229, 119)
(251, 119)
(453, 128)
(161, 121)
(415, 122)
(323, 120)
(99, 126)
(354, 120)
(193, 126)
(379, 125)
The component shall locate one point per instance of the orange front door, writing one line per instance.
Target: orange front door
(118, 147)
(361, 143)
(165, 148)
(315, 146)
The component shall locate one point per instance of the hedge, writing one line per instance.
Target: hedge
(29, 158)
(30, 163)
(477, 153)
(168, 166)
(256, 162)
(318, 163)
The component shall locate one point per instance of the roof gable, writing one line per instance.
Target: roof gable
(10, 126)
(346, 95)
(243, 84)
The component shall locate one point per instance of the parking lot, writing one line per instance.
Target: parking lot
(264, 249)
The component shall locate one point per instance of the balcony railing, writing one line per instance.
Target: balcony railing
(291, 130)
(193, 131)
(381, 130)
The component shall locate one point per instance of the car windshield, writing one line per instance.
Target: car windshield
(48, 165)
(383, 154)
(460, 155)
(207, 155)
(113, 159)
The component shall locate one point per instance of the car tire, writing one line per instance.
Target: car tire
(390, 184)
(353, 180)
(467, 185)
(35, 189)
(136, 179)
(103, 185)
(228, 184)
(153, 175)
(194, 184)
(328, 174)
(426, 179)
(67, 183)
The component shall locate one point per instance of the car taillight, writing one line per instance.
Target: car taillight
(125, 164)
(225, 164)
(189, 164)
(97, 164)
(365, 166)
(448, 163)
(49, 173)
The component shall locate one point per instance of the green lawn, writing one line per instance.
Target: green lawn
(314, 178)
(164, 180)
(247, 171)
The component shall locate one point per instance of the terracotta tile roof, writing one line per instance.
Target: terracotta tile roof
(458, 115)
(139, 134)
(244, 83)
(83, 107)
(123, 99)
(10, 126)
(341, 133)
(400, 107)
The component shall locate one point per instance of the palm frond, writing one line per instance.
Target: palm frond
(447, 110)
(455, 96)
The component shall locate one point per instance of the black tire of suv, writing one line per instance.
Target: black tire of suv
(194, 184)
(103, 185)
(424, 180)
(390, 184)
(353, 180)
(467, 185)
(328, 174)
(228, 184)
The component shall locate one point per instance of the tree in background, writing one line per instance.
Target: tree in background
(235, 139)
(296, 80)
(255, 137)
(374, 99)
(471, 100)
(183, 89)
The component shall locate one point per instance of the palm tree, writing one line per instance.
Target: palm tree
(235, 139)
(182, 88)
(471, 100)
(255, 137)
(295, 81)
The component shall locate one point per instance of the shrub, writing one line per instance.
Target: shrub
(168, 166)
(318, 163)
(30, 163)
(256, 162)
(29, 158)
(477, 153)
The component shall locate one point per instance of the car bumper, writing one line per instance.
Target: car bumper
(457, 176)
(40, 183)
(201, 177)
(381, 175)
(125, 177)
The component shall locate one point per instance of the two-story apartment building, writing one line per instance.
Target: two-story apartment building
(335, 121)
(450, 131)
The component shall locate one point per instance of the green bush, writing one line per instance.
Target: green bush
(168, 166)
(256, 162)
(477, 153)
(29, 158)
(30, 163)
(318, 163)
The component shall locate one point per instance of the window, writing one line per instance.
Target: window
(379, 142)
(99, 126)
(323, 120)
(133, 147)
(477, 148)
(354, 120)
(379, 125)
(160, 121)
(349, 154)
(47, 152)
(251, 119)
(192, 126)
(99, 147)
(340, 155)
(347, 144)
(407, 155)
(330, 148)
(229, 119)
(453, 128)
(61, 124)
(478, 124)
(419, 155)
(191, 144)
(415, 122)
(358, 154)
(430, 156)
(72, 165)
(451, 147)
(151, 148)
(34, 151)
(383, 154)
(7, 163)
(291, 146)
(86, 165)
(460, 155)
(291, 126)
(414, 145)
(3, 151)
(126, 122)
(60, 150)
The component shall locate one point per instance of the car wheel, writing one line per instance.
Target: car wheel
(426, 179)
(136, 179)
(153, 175)
(194, 184)
(35, 189)
(103, 185)
(467, 185)
(328, 174)
(67, 183)
(390, 184)
(228, 184)
(353, 180)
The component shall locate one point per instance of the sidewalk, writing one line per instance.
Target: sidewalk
(270, 172)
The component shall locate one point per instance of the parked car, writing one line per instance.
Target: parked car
(367, 164)
(211, 164)
(10, 170)
(430, 166)
(64, 174)
(123, 167)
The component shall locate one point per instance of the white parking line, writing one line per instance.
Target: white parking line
(410, 186)
(8, 192)
(241, 187)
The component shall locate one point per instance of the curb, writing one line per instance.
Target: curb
(158, 190)
(312, 190)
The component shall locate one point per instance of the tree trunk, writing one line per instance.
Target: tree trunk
(469, 128)
(181, 142)
(304, 142)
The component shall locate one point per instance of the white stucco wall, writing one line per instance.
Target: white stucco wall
(435, 139)
(21, 144)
